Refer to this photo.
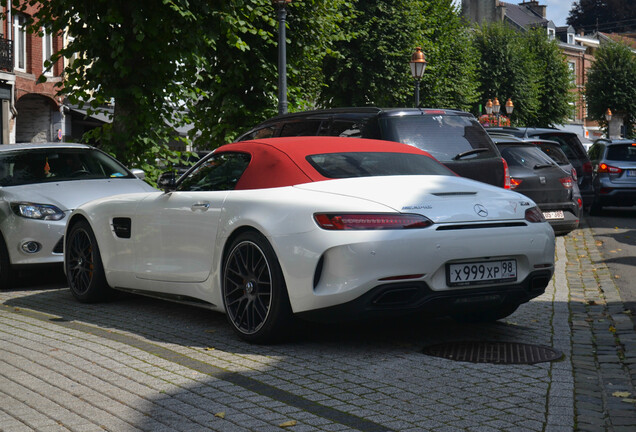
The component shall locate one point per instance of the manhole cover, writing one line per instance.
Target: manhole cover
(493, 352)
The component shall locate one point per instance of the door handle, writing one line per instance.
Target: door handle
(203, 206)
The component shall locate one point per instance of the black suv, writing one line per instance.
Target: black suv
(571, 146)
(455, 138)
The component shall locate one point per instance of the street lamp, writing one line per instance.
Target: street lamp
(281, 8)
(608, 115)
(509, 107)
(418, 65)
(495, 108)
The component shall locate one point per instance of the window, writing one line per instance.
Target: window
(19, 40)
(221, 171)
(551, 33)
(369, 164)
(301, 128)
(572, 67)
(571, 38)
(47, 52)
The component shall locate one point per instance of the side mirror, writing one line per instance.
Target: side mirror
(167, 181)
(139, 173)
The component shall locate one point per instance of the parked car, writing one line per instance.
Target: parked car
(536, 175)
(320, 228)
(552, 149)
(40, 184)
(455, 138)
(614, 162)
(571, 146)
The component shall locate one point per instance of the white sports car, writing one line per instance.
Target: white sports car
(315, 227)
(40, 184)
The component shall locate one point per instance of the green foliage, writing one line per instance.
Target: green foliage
(241, 81)
(506, 70)
(554, 78)
(611, 83)
(137, 53)
(373, 68)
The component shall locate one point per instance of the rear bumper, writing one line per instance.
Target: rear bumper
(408, 298)
(613, 196)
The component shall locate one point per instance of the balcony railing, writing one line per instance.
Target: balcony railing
(6, 54)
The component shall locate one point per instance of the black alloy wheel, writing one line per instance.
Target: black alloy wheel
(84, 269)
(254, 291)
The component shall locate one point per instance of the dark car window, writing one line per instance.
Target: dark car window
(526, 156)
(220, 171)
(367, 164)
(622, 152)
(346, 129)
(301, 128)
(555, 153)
(54, 165)
(569, 143)
(266, 132)
(443, 136)
(595, 151)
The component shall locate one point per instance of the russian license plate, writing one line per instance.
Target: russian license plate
(476, 273)
(558, 214)
(631, 173)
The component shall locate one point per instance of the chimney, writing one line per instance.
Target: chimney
(534, 6)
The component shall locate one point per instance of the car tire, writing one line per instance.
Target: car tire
(254, 291)
(6, 271)
(487, 315)
(84, 268)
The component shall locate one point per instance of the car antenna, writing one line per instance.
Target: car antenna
(525, 133)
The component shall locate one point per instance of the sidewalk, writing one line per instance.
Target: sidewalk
(143, 364)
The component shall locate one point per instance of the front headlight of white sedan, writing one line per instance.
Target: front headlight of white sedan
(37, 211)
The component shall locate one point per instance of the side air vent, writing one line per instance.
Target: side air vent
(479, 226)
(121, 227)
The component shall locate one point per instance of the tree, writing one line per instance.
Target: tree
(135, 53)
(373, 67)
(241, 80)
(611, 83)
(611, 16)
(507, 70)
(167, 63)
(554, 76)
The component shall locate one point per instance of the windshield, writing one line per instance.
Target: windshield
(445, 137)
(369, 164)
(30, 166)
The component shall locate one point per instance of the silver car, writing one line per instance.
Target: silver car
(614, 163)
(40, 184)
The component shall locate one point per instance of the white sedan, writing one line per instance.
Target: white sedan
(40, 184)
(315, 227)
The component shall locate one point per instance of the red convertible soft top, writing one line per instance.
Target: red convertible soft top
(287, 157)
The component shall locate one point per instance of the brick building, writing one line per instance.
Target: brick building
(29, 111)
(578, 49)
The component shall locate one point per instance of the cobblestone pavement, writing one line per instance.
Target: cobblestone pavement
(143, 364)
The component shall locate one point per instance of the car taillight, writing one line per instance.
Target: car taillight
(579, 201)
(567, 182)
(379, 221)
(587, 168)
(605, 168)
(574, 175)
(514, 183)
(533, 215)
(507, 184)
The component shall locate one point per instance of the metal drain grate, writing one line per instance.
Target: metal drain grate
(493, 352)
